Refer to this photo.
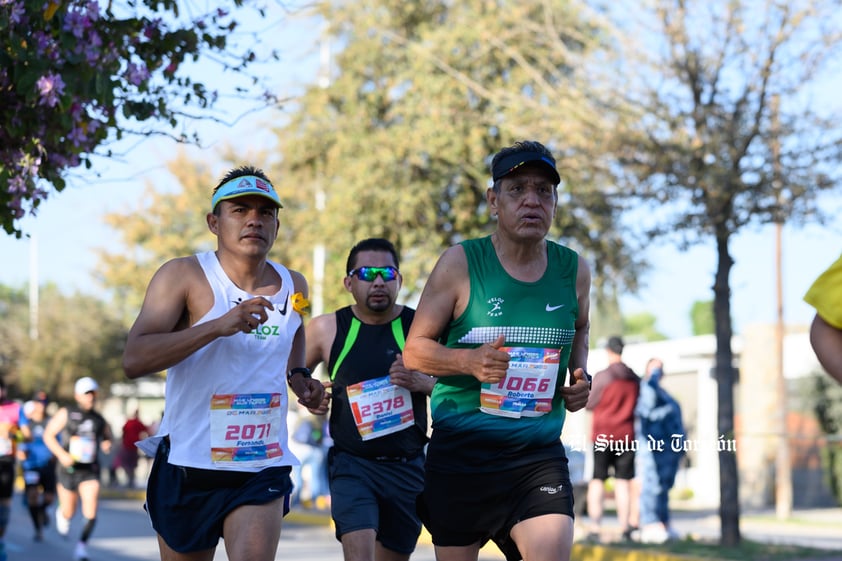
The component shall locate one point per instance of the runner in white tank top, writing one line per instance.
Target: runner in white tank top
(226, 326)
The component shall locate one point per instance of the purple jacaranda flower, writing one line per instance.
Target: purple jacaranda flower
(76, 112)
(77, 23)
(45, 45)
(152, 28)
(93, 48)
(15, 207)
(17, 184)
(92, 10)
(17, 14)
(76, 136)
(50, 86)
(136, 74)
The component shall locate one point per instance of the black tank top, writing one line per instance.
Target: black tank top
(372, 353)
(84, 424)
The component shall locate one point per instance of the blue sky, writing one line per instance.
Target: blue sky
(69, 228)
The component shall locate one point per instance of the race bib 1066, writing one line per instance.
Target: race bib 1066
(529, 385)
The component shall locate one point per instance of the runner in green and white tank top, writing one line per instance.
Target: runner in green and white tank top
(489, 426)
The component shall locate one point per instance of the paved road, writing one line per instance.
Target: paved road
(123, 533)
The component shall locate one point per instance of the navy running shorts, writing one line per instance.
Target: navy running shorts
(377, 494)
(44, 477)
(188, 506)
(461, 509)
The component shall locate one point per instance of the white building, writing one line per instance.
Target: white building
(688, 368)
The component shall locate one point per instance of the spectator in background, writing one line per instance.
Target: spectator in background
(306, 443)
(660, 431)
(13, 428)
(825, 295)
(39, 467)
(134, 430)
(612, 401)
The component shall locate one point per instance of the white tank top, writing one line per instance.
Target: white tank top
(226, 404)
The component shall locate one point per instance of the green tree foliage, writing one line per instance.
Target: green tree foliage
(77, 335)
(78, 74)
(701, 317)
(396, 138)
(714, 151)
(641, 327)
(166, 223)
(14, 329)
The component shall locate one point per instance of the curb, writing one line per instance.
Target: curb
(587, 552)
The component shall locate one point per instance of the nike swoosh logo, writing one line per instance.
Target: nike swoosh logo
(283, 310)
(273, 490)
(554, 308)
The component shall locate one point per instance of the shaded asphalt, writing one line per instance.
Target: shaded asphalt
(817, 528)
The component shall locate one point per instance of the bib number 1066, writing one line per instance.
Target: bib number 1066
(523, 384)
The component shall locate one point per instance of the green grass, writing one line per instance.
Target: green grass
(755, 551)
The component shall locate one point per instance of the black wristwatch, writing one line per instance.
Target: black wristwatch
(299, 370)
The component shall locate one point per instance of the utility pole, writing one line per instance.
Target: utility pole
(317, 301)
(783, 467)
(33, 287)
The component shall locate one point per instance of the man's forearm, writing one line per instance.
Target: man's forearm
(579, 348)
(430, 357)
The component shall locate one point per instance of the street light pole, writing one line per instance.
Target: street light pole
(783, 467)
(319, 251)
(33, 287)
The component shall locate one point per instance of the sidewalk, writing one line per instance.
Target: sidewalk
(814, 528)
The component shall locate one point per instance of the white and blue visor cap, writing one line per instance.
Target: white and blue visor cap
(245, 185)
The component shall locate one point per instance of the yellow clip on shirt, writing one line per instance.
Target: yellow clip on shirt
(825, 295)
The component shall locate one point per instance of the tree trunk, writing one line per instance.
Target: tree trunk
(729, 500)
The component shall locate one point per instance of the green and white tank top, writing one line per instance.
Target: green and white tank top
(488, 428)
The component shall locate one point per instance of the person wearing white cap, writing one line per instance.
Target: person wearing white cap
(226, 325)
(84, 432)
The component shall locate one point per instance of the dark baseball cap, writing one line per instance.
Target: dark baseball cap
(509, 163)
